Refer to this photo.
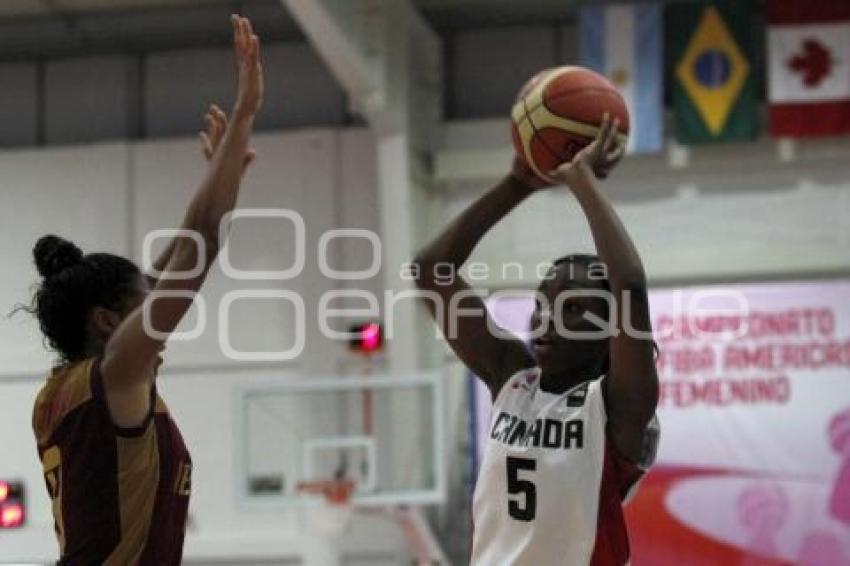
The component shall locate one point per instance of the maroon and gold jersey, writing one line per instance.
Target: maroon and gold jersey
(120, 496)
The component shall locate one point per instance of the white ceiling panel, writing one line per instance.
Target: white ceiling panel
(22, 8)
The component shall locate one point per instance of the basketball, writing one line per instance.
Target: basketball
(558, 112)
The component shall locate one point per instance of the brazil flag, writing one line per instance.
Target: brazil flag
(710, 54)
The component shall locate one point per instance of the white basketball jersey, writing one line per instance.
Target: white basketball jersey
(550, 487)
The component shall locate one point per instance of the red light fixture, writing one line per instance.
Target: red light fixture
(12, 516)
(367, 338)
(12, 506)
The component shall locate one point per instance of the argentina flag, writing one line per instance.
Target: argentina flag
(623, 42)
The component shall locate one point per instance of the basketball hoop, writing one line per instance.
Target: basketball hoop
(330, 511)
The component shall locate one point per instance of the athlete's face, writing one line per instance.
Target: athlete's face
(568, 341)
(137, 297)
(135, 300)
(131, 302)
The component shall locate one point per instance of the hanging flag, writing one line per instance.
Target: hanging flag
(623, 42)
(809, 67)
(714, 90)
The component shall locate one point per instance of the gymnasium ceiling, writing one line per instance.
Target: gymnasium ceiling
(10, 8)
(59, 28)
(466, 7)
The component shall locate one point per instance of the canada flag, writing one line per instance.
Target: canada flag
(809, 67)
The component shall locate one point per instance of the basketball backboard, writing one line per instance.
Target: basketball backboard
(386, 434)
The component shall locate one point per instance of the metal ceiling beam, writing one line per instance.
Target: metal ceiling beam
(349, 36)
(384, 54)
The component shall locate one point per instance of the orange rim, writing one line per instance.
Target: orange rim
(336, 492)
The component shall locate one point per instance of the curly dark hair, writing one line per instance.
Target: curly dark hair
(73, 284)
(586, 260)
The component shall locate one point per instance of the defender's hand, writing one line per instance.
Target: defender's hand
(216, 121)
(246, 44)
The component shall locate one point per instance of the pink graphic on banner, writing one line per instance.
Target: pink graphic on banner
(839, 437)
(762, 510)
(821, 548)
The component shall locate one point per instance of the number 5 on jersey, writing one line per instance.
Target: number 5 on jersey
(521, 487)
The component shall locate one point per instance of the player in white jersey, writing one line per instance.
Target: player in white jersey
(570, 433)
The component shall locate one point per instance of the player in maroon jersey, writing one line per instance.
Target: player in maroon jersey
(115, 465)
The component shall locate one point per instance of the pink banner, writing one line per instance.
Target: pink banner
(754, 461)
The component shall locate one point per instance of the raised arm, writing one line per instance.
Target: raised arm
(131, 353)
(492, 358)
(216, 125)
(632, 382)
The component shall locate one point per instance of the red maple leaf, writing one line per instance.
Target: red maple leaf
(815, 62)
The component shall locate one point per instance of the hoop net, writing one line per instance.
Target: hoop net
(332, 511)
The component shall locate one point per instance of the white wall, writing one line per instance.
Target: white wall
(108, 197)
(296, 172)
(78, 192)
(731, 212)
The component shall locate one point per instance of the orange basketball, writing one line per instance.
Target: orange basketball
(559, 111)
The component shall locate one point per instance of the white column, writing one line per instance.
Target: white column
(388, 60)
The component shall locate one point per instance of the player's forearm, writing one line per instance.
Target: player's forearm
(161, 262)
(456, 243)
(219, 191)
(613, 243)
(633, 381)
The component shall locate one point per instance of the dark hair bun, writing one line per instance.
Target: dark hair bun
(54, 254)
